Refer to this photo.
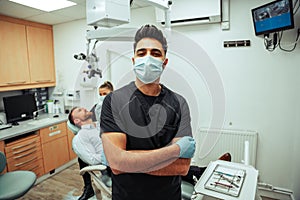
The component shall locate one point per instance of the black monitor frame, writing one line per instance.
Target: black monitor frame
(267, 12)
(19, 107)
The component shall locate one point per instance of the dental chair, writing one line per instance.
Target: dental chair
(14, 184)
(100, 182)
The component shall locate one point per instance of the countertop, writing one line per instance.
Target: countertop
(27, 126)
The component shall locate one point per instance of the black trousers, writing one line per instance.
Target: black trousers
(193, 171)
(86, 177)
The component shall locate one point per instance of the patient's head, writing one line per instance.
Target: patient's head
(80, 116)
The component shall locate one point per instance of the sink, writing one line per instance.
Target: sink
(41, 121)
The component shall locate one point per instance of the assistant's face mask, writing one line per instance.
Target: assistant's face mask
(147, 69)
(101, 98)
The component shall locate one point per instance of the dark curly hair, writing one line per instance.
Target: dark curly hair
(150, 31)
(70, 117)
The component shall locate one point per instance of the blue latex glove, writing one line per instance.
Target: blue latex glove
(103, 159)
(187, 147)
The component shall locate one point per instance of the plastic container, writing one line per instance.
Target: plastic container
(50, 106)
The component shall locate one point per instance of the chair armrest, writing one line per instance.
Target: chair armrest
(92, 168)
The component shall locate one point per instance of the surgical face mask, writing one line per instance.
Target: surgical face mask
(98, 107)
(148, 69)
(101, 98)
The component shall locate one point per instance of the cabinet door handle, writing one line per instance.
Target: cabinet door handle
(18, 152)
(24, 145)
(16, 157)
(23, 163)
(17, 82)
(54, 133)
(42, 81)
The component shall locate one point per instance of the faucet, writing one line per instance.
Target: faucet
(36, 112)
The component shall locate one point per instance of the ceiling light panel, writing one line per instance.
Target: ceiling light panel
(46, 5)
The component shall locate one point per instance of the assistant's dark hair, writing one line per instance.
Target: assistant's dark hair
(150, 31)
(70, 117)
(107, 85)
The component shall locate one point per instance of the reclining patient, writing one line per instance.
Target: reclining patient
(87, 143)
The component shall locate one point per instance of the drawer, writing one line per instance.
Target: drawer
(24, 161)
(21, 145)
(23, 149)
(30, 151)
(36, 167)
(30, 166)
(53, 132)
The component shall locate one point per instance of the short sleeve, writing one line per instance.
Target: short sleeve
(185, 121)
(107, 122)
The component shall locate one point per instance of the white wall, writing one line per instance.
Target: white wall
(261, 89)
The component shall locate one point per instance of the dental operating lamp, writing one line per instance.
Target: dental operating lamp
(105, 16)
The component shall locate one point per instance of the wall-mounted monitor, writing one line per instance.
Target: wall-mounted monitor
(19, 107)
(273, 17)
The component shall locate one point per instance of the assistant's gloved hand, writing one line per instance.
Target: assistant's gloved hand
(187, 147)
(103, 159)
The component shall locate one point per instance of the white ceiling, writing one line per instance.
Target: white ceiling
(72, 13)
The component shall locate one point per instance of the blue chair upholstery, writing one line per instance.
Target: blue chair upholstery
(16, 183)
(72, 128)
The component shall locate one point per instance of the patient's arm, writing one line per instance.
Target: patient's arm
(161, 161)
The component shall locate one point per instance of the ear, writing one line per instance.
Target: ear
(132, 59)
(77, 121)
(165, 63)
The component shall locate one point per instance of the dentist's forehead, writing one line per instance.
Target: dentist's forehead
(149, 43)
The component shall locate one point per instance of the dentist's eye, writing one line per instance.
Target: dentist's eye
(141, 52)
(156, 53)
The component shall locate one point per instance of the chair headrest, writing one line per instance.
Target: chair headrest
(72, 127)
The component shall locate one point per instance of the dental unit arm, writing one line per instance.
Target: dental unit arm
(92, 59)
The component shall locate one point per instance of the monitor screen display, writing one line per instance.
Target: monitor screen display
(273, 17)
(20, 107)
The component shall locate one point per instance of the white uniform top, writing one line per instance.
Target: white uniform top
(87, 144)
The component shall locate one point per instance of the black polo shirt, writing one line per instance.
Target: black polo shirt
(149, 123)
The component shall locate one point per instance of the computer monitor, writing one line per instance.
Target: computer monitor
(273, 17)
(19, 107)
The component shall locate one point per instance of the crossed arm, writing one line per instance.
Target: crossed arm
(161, 162)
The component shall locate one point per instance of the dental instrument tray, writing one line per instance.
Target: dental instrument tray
(226, 180)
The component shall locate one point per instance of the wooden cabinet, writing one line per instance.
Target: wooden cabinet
(72, 154)
(2, 150)
(25, 154)
(40, 54)
(26, 54)
(14, 68)
(54, 146)
(2, 146)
